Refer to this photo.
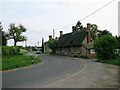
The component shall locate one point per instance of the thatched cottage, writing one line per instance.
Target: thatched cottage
(77, 43)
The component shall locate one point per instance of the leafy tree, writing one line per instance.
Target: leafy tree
(15, 33)
(98, 33)
(94, 31)
(0, 34)
(51, 44)
(118, 40)
(105, 47)
(42, 45)
(3, 40)
(102, 33)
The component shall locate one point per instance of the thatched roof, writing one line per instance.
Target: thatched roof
(72, 39)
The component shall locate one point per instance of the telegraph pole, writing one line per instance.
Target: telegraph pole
(38, 44)
(53, 33)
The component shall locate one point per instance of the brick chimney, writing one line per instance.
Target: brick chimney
(88, 26)
(88, 33)
(89, 39)
(61, 33)
(50, 37)
(74, 29)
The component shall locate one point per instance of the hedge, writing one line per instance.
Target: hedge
(10, 50)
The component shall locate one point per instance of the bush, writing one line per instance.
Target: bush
(10, 50)
(105, 47)
(52, 44)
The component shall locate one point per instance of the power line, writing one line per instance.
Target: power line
(97, 10)
(90, 14)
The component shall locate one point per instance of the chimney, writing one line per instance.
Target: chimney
(88, 26)
(50, 37)
(74, 29)
(61, 33)
(89, 33)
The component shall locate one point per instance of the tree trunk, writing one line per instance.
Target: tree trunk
(15, 43)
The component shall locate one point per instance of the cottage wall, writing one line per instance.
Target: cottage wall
(72, 51)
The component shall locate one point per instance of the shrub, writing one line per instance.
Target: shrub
(52, 44)
(105, 47)
(10, 50)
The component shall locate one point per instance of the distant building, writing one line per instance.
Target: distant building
(47, 50)
(49, 46)
(77, 43)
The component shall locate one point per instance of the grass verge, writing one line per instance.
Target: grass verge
(17, 61)
(114, 62)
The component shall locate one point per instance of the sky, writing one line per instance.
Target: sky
(40, 17)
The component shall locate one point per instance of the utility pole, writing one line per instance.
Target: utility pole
(38, 44)
(53, 33)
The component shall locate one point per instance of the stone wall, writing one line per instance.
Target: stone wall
(72, 51)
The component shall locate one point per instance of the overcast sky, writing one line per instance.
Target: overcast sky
(40, 17)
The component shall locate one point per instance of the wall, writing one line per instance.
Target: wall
(72, 51)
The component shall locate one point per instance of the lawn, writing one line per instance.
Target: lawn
(17, 61)
(114, 62)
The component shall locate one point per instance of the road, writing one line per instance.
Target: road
(51, 69)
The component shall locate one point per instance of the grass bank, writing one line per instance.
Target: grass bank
(17, 61)
(114, 62)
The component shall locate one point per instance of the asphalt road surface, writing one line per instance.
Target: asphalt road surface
(52, 69)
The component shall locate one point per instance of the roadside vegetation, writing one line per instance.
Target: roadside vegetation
(114, 62)
(106, 50)
(14, 57)
(17, 61)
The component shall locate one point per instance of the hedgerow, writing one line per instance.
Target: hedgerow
(10, 50)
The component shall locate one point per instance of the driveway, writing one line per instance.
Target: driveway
(62, 72)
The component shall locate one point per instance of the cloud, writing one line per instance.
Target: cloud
(41, 16)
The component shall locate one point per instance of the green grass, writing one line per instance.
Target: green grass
(114, 62)
(17, 61)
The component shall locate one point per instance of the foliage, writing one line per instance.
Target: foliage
(105, 47)
(15, 32)
(0, 34)
(10, 50)
(114, 62)
(4, 40)
(52, 44)
(94, 31)
(34, 48)
(98, 33)
(118, 40)
(17, 61)
(102, 33)
(42, 46)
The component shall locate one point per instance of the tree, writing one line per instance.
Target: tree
(118, 40)
(0, 34)
(102, 33)
(42, 45)
(94, 31)
(105, 47)
(52, 44)
(98, 33)
(3, 40)
(15, 33)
